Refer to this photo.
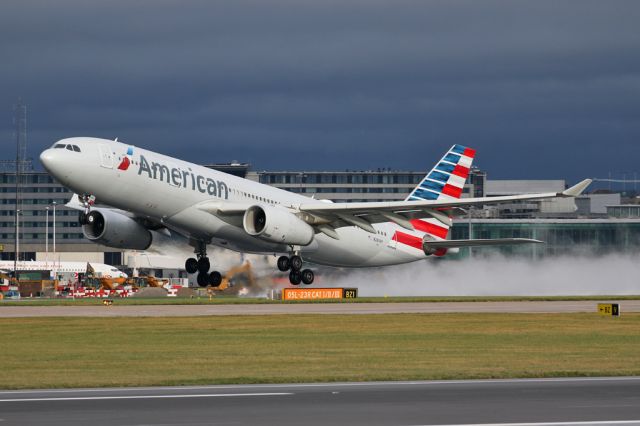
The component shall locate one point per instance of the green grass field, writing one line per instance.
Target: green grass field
(79, 352)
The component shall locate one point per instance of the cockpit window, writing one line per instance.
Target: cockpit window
(70, 147)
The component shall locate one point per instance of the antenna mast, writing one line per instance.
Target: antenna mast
(20, 123)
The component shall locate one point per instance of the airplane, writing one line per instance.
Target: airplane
(147, 194)
(100, 269)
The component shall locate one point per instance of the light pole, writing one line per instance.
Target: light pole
(55, 275)
(17, 247)
(46, 238)
(470, 213)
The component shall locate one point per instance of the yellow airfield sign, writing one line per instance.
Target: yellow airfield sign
(609, 309)
(319, 293)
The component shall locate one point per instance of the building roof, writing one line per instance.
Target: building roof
(513, 187)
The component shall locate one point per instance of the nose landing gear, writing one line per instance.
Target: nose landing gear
(87, 201)
(296, 274)
(201, 265)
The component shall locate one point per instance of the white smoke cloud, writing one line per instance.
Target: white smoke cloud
(501, 276)
(581, 274)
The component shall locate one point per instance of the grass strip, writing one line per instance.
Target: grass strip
(89, 352)
(228, 300)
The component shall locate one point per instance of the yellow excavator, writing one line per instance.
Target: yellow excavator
(111, 283)
(237, 278)
(154, 282)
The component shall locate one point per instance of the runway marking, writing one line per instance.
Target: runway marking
(98, 398)
(596, 423)
(603, 406)
(318, 385)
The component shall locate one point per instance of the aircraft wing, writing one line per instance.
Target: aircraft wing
(336, 215)
(325, 217)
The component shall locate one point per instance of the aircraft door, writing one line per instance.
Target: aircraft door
(106, 158)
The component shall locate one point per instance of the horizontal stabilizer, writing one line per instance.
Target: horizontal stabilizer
(475, 243)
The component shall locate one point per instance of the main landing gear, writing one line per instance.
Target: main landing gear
(296, 274)
(201, 265)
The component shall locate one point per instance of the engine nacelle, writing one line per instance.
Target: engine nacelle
(116, 230)
(436, 251)
(277, 225)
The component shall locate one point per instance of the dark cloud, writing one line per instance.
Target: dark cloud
(541, 89)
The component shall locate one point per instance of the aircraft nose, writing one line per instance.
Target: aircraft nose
(50, 159)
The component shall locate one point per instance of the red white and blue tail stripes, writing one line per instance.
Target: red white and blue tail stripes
(444, 181)
(447, 178)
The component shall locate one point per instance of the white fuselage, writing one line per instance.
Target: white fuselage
(100, 269)
(168, 190)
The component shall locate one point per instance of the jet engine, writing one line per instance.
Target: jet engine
(436, 251)
(277, 225)
(116, 230)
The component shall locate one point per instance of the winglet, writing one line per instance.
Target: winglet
(576, 189)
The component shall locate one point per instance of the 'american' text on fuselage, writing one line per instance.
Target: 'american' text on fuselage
(181, 178)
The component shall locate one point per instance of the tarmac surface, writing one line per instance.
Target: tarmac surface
(310, 308)
(570, 401)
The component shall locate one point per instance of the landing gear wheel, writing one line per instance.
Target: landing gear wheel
(284, 264)
(87, 202)
(296, 263)
(295, 277)
(215, 279)
(191, 265)
(204, 265)
(203, 279)
(307, 276)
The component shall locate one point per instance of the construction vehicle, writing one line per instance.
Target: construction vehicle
(237, 279)
(111, 283)
(145, 281)
(155, 282)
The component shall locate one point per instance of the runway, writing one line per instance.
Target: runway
(577, 401)
(310, 308)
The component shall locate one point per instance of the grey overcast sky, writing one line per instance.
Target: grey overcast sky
(542, 89)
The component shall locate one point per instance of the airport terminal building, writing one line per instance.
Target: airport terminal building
(597, 222)
(41, 207)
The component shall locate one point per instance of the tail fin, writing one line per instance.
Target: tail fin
(447, 178)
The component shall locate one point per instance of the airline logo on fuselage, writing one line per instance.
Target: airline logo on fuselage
(182, 178)
(125, 163)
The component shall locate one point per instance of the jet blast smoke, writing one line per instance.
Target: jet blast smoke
(500, 276)
(581, 274)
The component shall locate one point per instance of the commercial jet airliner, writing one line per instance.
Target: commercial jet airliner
(99, 269)
(148, 193)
